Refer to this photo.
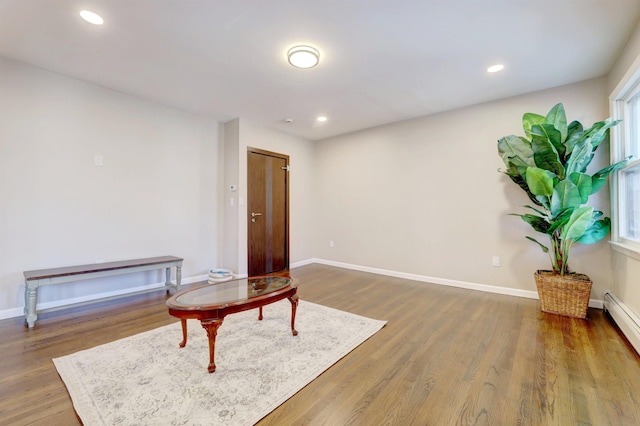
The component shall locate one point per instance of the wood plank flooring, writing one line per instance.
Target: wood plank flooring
(447, 356)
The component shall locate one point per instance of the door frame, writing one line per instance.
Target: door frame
(287, 201)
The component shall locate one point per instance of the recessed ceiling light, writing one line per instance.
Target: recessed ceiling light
(495, 68)
(91, 17)
(303, 56)
(322, 118)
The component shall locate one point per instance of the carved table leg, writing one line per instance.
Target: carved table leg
(294, 305)
(211, 326)
(184, 332)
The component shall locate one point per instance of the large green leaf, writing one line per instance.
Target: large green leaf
(584, 183)
(600, 177)
(519, 180)
(599, 131)
(597, 184)
(540, 181)
(551, 134)
(515, 149)
(558, 119)
(538, 223)
(543, 247)
(598, 230)
(580, 220)
(540, 212)
(580, 158)
(544, 201)
(545, 153)
(574, 135)
(529, 120)
(565, 196)
(560, 221)
(517, 166)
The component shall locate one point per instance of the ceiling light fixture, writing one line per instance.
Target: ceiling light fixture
(322, 118)
(495, 68)
(303, 56)
(91, 17)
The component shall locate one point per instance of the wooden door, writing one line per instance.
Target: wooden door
(268, 211)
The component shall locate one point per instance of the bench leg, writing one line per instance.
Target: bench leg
(178, 275)
(30, 301)
(167, 281)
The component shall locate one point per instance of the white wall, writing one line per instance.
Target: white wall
(155, 195)
(624, 60)
(421, 196)
(424, 196)
(230, 200)
(626, 269)
(245, 134)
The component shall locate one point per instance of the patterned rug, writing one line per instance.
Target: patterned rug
(147, 379)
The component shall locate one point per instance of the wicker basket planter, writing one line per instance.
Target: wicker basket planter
(566, 295)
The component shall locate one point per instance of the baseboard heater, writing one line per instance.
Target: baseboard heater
(627, 321)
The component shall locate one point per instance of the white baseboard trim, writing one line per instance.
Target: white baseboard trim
(301, 263)
(16, 312)
(593, 303)
(61, 304)
(627, 321)
(11, 313)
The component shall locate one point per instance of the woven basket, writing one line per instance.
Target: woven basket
(566, 295)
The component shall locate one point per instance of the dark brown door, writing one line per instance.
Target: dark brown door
(268, 211)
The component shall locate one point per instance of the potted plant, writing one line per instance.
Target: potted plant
(550, 164)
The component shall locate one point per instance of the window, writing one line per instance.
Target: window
(625, 142)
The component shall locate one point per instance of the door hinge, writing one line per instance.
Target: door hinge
(287, 168)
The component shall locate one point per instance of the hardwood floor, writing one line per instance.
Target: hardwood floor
(447, 356)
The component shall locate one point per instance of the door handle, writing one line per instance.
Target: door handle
(256, 214)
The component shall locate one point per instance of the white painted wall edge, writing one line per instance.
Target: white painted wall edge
(593, 303)
(16, 312)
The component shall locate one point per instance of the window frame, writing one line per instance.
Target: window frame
(627, 88)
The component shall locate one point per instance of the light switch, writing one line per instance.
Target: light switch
(98, 160)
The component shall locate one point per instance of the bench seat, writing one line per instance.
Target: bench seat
(41, 277)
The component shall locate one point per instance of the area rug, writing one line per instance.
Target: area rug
(147, 379)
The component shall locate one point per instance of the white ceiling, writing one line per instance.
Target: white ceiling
(381, 60)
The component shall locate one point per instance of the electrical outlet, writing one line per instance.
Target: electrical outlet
(496, 261)
(331, 243)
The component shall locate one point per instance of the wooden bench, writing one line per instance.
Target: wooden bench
(38, 278)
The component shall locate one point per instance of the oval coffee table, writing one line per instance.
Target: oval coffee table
(212, 302)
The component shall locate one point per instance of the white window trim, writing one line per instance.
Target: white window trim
(629, 83)
(626, 249)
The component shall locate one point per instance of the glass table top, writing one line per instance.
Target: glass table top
(228, 292)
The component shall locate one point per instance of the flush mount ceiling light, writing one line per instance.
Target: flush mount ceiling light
(303, 56)
(495, 68)
(322, 118)
(91, 17)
